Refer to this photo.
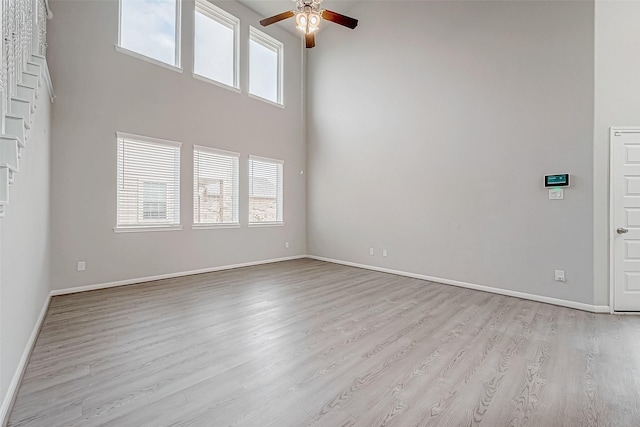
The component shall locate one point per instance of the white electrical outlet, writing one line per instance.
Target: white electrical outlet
(370, 251)
(286, 245)
(82, 265)
(559, 275)
(384, 252)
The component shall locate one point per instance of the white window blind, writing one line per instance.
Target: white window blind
(148, 182)
(216, 44)
(151, 28)
(265, 190)
(215, 187)
(265, 66)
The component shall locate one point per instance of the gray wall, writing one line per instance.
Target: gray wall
(617, 95)
(25, 246)
(430, 129)
(101, 91)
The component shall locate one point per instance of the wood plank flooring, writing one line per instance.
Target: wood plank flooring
(308, 343)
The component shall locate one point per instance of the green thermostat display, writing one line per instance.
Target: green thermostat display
(560, 180)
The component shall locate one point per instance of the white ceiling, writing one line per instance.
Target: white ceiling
(268, 8)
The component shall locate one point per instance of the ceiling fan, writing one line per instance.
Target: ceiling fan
(308, 16)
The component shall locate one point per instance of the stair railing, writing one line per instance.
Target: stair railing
(23, 28)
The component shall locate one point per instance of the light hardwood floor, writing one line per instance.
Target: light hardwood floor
(308, 343)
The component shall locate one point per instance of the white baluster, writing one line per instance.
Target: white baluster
(42, 23)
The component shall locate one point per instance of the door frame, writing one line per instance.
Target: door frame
(612, 133)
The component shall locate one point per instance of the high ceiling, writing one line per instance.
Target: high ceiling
(268, 8)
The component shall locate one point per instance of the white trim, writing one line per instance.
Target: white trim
(279, 195)
(222, 17)
(611, 261)
(141, 138)
(214, 12)
(119, 24)
(522, 295)
(13, 387)
(146, 225)
(169, 276)
(47, 79)
(268, 101)
(147, 58)
(266, 224)
(142, 229)
(178, 41)
(12, 391)
(44, 67)
(215, 83)
(178, 38)
(626, 129)
(266, 160)
(214, 225)
(612, 133)
(232, 156)
(277, 46)
(212, 150)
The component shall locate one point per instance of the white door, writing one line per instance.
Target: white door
(625, 218)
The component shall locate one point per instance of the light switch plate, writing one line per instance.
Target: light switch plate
(556, 194)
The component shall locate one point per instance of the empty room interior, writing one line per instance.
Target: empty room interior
(320, 213)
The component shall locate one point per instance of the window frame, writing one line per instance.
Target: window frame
(146, 224)
(225, 18)
(178, 42)
(213, 225)
(273, 44)
(279, 193)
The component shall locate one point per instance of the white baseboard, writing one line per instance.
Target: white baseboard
(13, 387)
(10, 397)
(532, 297)
(15, 383)
(168, 276)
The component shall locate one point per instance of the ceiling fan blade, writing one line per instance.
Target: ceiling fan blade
(277, 18)
(310, 40)
(339, 19)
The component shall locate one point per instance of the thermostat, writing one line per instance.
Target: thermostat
(559, 180)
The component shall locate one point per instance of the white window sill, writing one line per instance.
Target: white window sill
(142, 229)
(266, 224)
(214, 226)
(147, 58)
(216, 83)
(268, 101)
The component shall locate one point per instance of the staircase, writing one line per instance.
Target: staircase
(24, 77)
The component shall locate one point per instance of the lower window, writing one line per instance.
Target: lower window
(148, 182)
(265, 190)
